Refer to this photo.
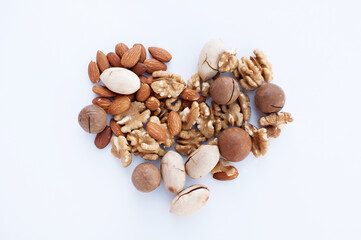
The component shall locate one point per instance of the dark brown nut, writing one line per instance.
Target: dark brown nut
(93, 72)
(130, 96)
(146, 177)
(116, 128)
(189, 95)
(143, 79)
(120, 49)
(103, 138)
(234, 144)
(152, 103)
(103, 91)
(139, 68)
(102, 102)
(93, 119)
(114, 59)
(102, 61)
(270, 98)
(143, 92)
(224, 90)
(119, 105)
(143, 52)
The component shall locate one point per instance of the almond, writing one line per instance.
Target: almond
(156, 131)
(139, 68)
(186, 103)
(130, 96)
(143, 92)
(154, 65)
(174, 123)
(131, 57)
(189, 94)
(119, 105)
(152, 103)
(143, 79)
(102, 102)
(103, 138)
(116, 128)
(149, 80)
(114, 59)
(120, 49)
(93, 72)
(143, 52)
(102, 61)
(160, 54)
(224, 177)
(103, 91)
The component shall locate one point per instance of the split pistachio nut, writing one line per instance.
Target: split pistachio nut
(173, 172)
(190, 200)
(202, 161)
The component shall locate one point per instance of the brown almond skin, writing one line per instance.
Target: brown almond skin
(224, 90)
(120, 49)
(102, 61)
(149, 80)
(143, 93)
(146, 177)
(160, 54)
(234, 144)
(119, 105)
(152, 103)
(139, 69)
(154, 65)
(93, 72)
(270, 98)
(102, 102)
(114, 59)
(130, 96)
(156, 131)
(131, 57)
(93, 119)
(174, 123)
(189, 95)
(103, 91)
(222, 176)
(116, 128)
(102, 139)
(143, 52)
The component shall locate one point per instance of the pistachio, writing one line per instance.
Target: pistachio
(202, 161)
(190, 200)
(173, 172)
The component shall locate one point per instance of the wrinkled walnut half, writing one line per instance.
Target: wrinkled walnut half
(228, 61)
(121, 150)
(169, 104)
(214, 141)
(205, 121)
(170, 139)
(134, 118)
(189, 116)
(244, 103)
(224, 166)
(227, 114)
(194, 82)
(259, 138)
(276, 119)
(189, 141)
(206, 87)
(143, 143)
(167, 84)
(255, 70)
(273, 131)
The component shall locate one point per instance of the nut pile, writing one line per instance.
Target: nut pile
(206, 118)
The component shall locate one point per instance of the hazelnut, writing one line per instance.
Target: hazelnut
(93, 119)
(146, 177)
(234, 144)
(270, 98)
(224, 90)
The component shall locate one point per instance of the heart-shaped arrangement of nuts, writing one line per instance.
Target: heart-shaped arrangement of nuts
(152, 109)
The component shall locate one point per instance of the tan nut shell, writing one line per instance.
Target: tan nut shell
(202, 161)
(120, 80)
(190, 200)
(209, 58)
(173, 172)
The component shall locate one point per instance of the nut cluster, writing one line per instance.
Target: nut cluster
(152, 110)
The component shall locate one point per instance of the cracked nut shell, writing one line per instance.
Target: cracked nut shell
(270, 98)
(224, 90)
(202, 161)
(146, 177)
(93, 119)
(173, 172)
(234, 144)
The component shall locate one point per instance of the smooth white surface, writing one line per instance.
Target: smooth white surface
(54, 184)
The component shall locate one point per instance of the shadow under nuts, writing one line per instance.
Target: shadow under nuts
(224, 90)
(190, 200)
(146, 177)
(173, 173)
(202, 161)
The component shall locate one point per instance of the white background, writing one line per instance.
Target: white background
(54, 183)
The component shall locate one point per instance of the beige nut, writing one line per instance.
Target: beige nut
(202, 161)
(190, 200)
(209, 58)
(173, 172)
